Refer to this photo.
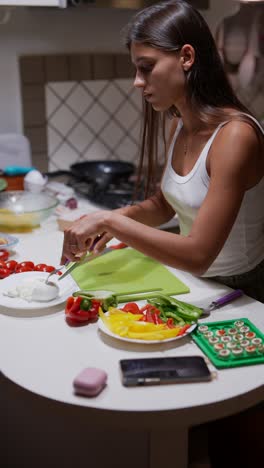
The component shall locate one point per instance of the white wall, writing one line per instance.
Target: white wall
(48, 30)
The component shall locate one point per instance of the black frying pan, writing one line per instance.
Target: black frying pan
(100, 173)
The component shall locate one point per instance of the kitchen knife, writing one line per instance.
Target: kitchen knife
(221, 302)
(91, 256)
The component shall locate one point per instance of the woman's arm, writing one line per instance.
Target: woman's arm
(152, 212)
(233, 166)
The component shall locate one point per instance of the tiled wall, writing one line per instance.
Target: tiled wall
(83, 106)
(41, 76)
(93, 119)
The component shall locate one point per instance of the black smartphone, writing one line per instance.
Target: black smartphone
(164, 370)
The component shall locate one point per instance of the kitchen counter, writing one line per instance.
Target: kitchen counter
(41, 355)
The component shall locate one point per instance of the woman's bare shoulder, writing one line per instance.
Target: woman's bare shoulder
(245, 127)
(240, 135)
(241, 150)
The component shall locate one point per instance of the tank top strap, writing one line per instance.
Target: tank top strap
(176, 133)
(205, 150)
(209, 142)
(256, 122)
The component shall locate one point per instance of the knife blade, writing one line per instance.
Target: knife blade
(91, 256)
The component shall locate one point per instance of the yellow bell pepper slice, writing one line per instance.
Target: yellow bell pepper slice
(161, 335)
(128, 325)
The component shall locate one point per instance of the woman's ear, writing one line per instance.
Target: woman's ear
(187, 57)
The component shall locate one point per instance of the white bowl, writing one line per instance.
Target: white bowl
(35, 187)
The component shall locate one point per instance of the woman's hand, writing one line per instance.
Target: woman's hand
(87, 233)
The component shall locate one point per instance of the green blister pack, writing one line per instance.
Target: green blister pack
(230, 343)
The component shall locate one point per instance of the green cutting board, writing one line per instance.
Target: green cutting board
(127, 271)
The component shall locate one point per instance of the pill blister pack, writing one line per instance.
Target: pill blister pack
(231, 343)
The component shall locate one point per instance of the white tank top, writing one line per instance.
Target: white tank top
(244, 247)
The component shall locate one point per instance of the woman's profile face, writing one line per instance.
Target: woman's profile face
(159, 74)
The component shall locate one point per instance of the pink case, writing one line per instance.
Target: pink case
(90, 381)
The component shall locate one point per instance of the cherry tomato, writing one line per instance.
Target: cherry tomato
(4, 254)
(40, 266)
(48, 268)
(26, 264)
(23, 269)
(11, 265)
(4, 272)
(2, 264)
(121, 245)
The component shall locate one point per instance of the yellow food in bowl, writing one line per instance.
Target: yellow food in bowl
(20, 211)
(23, 219)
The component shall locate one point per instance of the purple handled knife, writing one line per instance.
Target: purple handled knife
(222, 301)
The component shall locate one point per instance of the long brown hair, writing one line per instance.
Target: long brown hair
(167, 26)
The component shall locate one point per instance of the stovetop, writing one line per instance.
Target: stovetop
(113, 196)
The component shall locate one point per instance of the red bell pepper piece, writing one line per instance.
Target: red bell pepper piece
(170, 323)
(157, 320)
(149, 307)
(151, 314)
(75, 312)
(73, 304)
(131, 307)
(183, 329)
(145, 308)
(94, 308)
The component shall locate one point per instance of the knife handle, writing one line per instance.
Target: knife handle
(227, 298)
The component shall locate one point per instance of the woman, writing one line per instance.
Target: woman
(214, 175)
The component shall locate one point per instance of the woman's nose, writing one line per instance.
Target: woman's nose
(139, 82)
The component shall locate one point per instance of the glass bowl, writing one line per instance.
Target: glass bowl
(21, 210)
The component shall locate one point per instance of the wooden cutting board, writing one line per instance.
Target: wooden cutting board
(127, 271)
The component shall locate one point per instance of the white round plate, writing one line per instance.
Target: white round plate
(10, 241)
(66, 288)
(108, 332)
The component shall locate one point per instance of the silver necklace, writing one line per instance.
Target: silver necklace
(185, 143)
(185, 147)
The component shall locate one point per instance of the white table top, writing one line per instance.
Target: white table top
(43, 354)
